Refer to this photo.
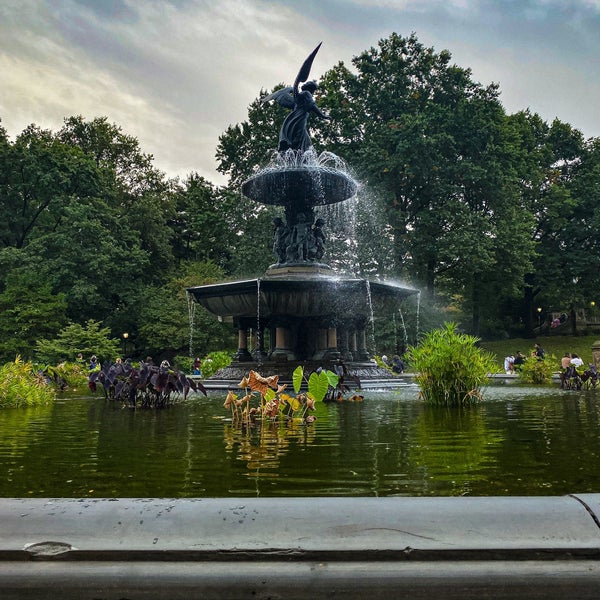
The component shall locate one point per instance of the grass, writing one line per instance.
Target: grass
(553, 345)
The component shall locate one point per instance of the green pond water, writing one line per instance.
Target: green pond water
(520, 441)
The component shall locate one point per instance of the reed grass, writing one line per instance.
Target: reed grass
(449, 367)
(20, 386)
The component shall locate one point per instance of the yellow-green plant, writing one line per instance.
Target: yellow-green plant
(67, 375)
(450, 368)
(20, 386)
(539, 371)
(274, 402)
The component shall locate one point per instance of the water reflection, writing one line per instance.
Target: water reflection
(518, 442)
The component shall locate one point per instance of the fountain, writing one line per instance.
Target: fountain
(313, 315)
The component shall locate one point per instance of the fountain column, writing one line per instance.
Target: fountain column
(321, 341)
(242, 354)
(283, 341)
(259, 354)
(332, 352)
(352, 344)
(344, 349)
(361, 333)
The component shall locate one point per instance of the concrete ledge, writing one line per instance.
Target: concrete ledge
(502, 547)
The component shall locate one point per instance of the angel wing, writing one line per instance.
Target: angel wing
(304, 71)
(284, 96)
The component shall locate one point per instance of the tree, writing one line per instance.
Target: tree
(438, 147)
(91, 339)
(40, 176)
(28, 310)
(200, 225)
(165, 316)
(550, 158)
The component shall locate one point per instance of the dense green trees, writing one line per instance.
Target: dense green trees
(89, 230)
(478, 206)
(490, 214)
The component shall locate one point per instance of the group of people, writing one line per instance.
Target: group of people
(514, 362)
(395, 364)
(570, 360)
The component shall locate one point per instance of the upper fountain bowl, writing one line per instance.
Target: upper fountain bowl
(300, 186)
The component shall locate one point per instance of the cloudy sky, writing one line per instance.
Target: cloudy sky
(176, 73)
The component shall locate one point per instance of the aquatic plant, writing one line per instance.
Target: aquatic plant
(20, 386)
(146, 385)
(66, 375)
(450, 368)
(274, 402)
(539, 371)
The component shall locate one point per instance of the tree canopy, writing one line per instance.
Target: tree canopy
(491, 214)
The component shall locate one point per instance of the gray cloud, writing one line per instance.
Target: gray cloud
(176, 73)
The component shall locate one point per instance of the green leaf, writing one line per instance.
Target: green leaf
(297, 377)
(332, 378)
(318, 385)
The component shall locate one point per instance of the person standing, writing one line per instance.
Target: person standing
(197, 367)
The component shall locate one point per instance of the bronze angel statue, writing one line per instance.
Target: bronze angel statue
(294, 131)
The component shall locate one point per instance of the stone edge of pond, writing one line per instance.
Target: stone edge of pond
(241, 547)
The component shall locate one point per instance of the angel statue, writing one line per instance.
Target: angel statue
(294, 131)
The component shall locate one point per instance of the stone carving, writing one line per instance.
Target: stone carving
(301, 242)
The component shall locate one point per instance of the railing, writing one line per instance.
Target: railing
(443, 548)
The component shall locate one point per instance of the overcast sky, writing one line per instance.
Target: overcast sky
(176, 73)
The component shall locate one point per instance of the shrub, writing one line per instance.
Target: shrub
(19, 386)
(534, 370)
(215, 361)
(449, 367)
(67, 375)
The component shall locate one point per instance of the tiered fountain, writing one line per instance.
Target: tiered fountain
(313, 315)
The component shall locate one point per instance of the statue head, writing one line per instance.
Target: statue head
(309, 86)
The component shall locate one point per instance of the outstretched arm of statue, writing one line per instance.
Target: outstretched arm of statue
(320, 113)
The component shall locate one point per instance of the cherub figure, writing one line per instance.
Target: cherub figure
(294, 131)
(281, 239)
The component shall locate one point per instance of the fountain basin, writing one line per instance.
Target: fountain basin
(305, 186)
(302, 297)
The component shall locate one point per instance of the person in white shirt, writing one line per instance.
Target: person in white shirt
(576, 361)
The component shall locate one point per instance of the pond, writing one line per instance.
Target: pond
(519, 441)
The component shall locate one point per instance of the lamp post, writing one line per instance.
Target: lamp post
(125, 336)
(539, 312)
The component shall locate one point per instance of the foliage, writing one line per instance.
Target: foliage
(75, 339)
(450, 368)
(274, 402)
(164, 315)
(535, 370)
(29, 310)
(19, 386)
(146, 385)
(214, 361)
(553, 345)
(67, 375)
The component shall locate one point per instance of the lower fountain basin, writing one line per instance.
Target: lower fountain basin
(301, 296)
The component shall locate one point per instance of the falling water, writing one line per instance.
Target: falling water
(191, 313)
(403, 327)
(371, 316)
(258, 352)
(417, 318)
